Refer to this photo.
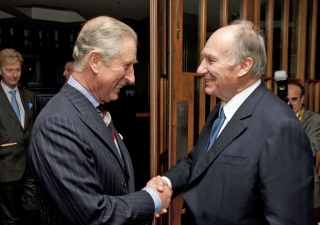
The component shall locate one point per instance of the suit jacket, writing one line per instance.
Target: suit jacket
(311, 124)
(80, 176)
(258, 171)
(13, 159)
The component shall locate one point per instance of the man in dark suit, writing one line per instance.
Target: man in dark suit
(310, 121)
(18, 199)
(259, 169)
(83, 170)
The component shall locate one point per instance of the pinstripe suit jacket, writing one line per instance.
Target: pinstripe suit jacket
(13, 159)
(79, 174)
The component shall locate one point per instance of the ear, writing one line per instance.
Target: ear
(302, 98)
(245, 66)
(94, 61)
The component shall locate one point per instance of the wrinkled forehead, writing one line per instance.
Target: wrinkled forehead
(222, 38)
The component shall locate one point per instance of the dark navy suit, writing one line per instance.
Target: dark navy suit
(258, 171)
(80, 175)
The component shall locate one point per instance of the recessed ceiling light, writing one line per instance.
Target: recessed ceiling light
(58, 15)
(4, 15)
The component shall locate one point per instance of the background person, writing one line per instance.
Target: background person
(311, 123)
(83, 170)
(259, 168)
(18, 199)
(68, 69)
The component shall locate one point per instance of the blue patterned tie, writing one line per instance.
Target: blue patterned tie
(216, 128)
(14, 103)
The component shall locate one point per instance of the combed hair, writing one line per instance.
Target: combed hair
(302, 90)
(9, 55)
(250, 42)
(102, 34)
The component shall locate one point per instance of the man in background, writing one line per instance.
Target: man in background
(311, 123)
(252, 163)
(68, 69)
(83, 169)
(18, 199)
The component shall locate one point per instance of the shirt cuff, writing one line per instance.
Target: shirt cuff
(168, 181)
(156, 199)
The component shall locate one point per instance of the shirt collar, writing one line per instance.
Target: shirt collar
(7, 89)
(233, 104)
(72, 82)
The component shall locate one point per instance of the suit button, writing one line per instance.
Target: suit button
(124, 185)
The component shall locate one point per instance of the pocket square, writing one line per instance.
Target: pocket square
(30, 105)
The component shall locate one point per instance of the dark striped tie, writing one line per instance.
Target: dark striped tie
(107, 120)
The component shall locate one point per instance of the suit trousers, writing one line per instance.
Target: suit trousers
(19, 202)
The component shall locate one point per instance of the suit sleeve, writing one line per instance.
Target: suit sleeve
(179, 175)
(286, 174)
(65, 168)
(313, 131)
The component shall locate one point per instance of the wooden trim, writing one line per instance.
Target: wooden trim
(202, 42)
(269, 40)
(154, 89)
(256, 12)
(224, 12)
(313, 39)
(301, 40)
(247, 8)
(285, 34)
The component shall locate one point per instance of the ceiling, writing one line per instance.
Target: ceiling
(119, 9)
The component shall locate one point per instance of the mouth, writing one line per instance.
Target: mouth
(119, 86)
(208, 80)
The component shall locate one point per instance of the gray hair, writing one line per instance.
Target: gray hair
(102, 34)
(9, 55)
(250, 42)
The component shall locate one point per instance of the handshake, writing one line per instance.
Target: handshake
(161, 187)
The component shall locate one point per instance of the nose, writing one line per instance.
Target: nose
(16, 73)
(130, 75)
(202, 68)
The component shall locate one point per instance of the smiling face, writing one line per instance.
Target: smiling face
(11, 73)
(221, 77)
(119, 71)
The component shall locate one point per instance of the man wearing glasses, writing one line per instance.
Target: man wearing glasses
(311, 123)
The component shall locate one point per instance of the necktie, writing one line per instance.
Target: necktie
(14, 103)
(216, 128)
(107, 120)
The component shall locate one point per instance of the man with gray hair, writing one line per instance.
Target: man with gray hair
(83, 170)
(252, 163)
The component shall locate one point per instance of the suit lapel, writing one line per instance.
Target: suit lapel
(90, 116)
(7, 106)
(235, 128)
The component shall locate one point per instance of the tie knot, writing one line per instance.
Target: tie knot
(13, 92)
(222, 113)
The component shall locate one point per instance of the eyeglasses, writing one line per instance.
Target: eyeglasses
(294, 99)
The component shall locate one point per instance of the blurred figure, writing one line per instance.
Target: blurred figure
(68, 69)
(18, 199)
(83, 169)
(311, 123)
(252, 163)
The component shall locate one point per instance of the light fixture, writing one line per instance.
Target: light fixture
(4, 15)
(57, 15)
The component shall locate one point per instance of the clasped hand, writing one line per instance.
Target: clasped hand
(160, 186)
